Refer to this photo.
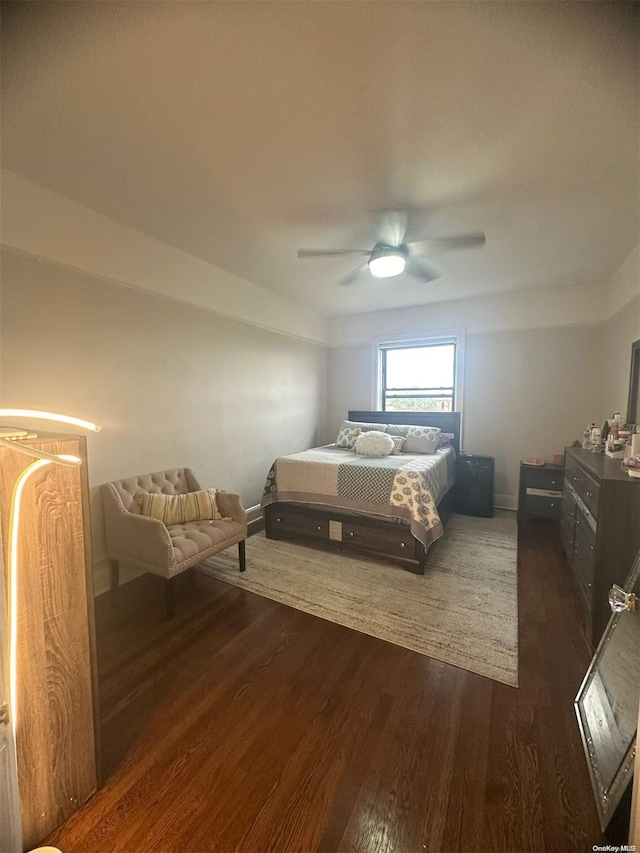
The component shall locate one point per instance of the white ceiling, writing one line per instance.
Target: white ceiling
(241, 131)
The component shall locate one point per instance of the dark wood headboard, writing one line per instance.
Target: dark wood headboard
(446, 421)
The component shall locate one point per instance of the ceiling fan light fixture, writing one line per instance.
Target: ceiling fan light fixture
(385, 262)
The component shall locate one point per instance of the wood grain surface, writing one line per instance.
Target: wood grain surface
(56, 748)
(244, 725)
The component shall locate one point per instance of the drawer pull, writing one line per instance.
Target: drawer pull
(621, 600)
(552, 503)
(554, 482)
(319, 527)
(589, 494)
(278, 519)
(402, 544)
(351, 533)
(591, 547)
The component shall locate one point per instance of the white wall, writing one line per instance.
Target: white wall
(527, 393)
(620, 330)
(172, 385)
(618, 333)
(540, 365)
(94, 327)
(182, 363)
(530, 309)
(43, 224)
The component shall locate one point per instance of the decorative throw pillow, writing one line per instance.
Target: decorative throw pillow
(374, 443)
(398, 444)
(347, 436)
(179, 509)
(398, 429)
(347, 427)
(421, 439)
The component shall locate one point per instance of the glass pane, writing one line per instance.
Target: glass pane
(607, 705)
(421, 367)
(418, 404)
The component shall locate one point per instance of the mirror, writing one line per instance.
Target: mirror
(607, 705)
(633, 405)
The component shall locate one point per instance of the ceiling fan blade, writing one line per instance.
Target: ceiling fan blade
(475, 239)
(349, 279)
(321, 253)
(392, 226)
(418, 269)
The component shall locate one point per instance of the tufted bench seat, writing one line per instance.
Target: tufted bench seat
(166, 550)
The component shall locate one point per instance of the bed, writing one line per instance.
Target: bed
(394, 507)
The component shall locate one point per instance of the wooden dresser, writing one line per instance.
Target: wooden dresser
(600, 528)
(57, 719)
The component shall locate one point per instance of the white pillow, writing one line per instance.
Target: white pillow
(374, 443)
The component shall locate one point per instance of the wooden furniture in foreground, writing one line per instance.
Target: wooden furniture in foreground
(376, 535)
(540, 492)
(600, 529)
(57, 714)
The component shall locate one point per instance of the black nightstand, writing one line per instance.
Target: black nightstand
(540, 491)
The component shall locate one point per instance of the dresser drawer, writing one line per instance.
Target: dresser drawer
(573, 475)
(585, 551)
(393, 539)
(590, 493)
(288, 521)
(545, 478)
(566, 537)
(569, 505)
(543, 505)
(567, 524)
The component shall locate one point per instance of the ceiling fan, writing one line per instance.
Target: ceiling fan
(391, 255)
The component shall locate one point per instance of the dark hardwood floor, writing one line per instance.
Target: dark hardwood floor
(243, 725)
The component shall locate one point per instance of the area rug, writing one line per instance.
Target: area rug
(462, 611)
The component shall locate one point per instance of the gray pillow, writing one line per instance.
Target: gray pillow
(421, 439)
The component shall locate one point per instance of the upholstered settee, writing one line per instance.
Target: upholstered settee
(167, 550)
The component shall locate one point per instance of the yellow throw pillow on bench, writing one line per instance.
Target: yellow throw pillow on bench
(179, 509)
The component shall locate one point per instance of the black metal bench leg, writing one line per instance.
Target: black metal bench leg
(170, 598)
(115, 575)
(241, 555)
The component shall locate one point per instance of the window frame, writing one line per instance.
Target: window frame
(450, 336)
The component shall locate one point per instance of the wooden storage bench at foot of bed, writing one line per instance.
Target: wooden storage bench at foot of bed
(377, 536)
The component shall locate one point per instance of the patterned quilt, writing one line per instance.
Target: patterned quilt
(406, 487)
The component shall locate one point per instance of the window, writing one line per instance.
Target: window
(419, 375)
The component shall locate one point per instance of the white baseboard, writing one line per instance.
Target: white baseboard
(505, 502)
